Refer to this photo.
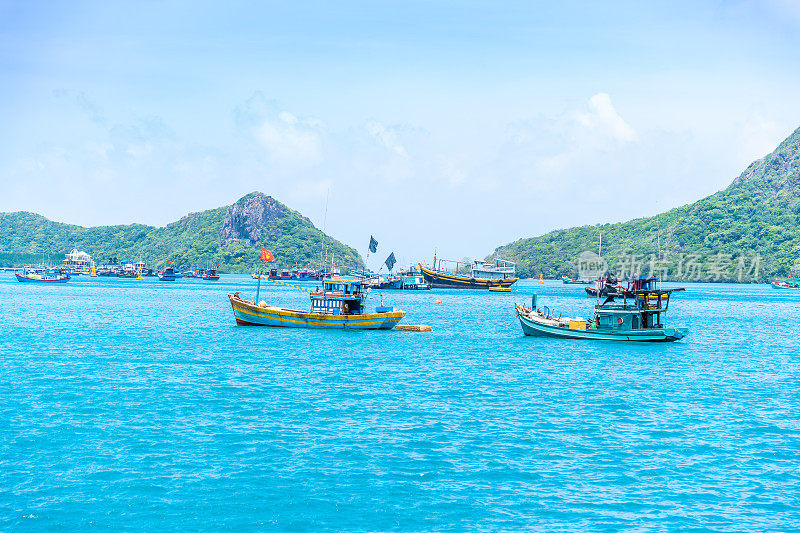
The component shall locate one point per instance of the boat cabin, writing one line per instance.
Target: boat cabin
(497, 269)
(339, 297)
(642, 310)
(412, 280)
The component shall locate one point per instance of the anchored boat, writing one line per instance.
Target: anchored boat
(413, 281)
(210, 275)
(168, 274)
(638, 318)
(483, 274)
(32, 276)
(339, 305)
(786, 284)
(575, 281)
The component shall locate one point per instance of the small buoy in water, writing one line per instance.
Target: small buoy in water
(438, 301)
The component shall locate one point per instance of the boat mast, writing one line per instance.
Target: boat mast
(658, 223)
(600, 248)
(324, 227)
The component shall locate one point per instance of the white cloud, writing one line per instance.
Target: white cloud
(289, 140)
(387, 137)
(548, 152)
(604, 121)
(287, 118)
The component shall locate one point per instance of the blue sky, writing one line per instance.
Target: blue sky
(451, 125)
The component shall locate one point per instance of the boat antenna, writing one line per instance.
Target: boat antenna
(658, 224)
(324, 227)
(600, 247)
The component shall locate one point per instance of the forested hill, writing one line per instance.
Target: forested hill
(231, 235)
(746, 232)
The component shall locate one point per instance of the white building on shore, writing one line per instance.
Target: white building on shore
(78, 261)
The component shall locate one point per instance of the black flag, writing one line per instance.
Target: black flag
(390, 261)
(373, 244)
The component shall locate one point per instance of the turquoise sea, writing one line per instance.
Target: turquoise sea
(130, 405)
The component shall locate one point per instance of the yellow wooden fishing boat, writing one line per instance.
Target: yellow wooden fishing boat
(339, 305)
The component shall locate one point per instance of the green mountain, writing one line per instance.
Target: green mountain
(231, 236)
(746, 232)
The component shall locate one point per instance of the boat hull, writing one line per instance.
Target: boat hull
(444, 280)
(784, 285)
(538, 329)
(24, 279)
(249, 314)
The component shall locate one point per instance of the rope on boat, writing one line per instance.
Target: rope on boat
(289, 285)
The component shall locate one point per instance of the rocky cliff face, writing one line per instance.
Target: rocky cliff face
(778, 173)
(248, 219)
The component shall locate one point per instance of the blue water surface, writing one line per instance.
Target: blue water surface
(130, 405)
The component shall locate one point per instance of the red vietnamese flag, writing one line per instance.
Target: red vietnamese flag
(267, 256)
(169, 262)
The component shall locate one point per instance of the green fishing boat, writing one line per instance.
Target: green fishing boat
(638, 317)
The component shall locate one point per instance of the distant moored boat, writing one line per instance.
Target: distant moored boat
(483, 274)
(168, 274)
(210, 275)
(44, 277)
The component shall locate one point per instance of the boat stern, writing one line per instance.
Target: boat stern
(677, 334)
